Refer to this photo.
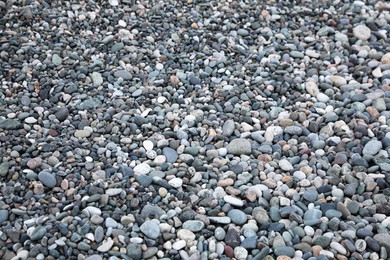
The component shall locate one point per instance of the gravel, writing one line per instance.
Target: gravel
(194, 130)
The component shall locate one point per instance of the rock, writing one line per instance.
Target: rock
(38, 233)
(260, 215)
(193, 225)
(4, 168)
(338, 80)
(82, 133)
(239, 146)
(312, 88)
(383, 239)
(232, 238)
(240, 253)
(362, 32)
(228, 128)
(237, 216)
(386, 58)
(56, 59)
(62, 114)
(105, 246)
(170, 154)
(310, 194)
(3, 216)
(47, 179)
(372, 147)
(233, 201)
(186, 235)
(176, 182)
(10, 124)
(123, 74)
(285, 165)
(97, 79)
(151, 229)
(142, 169)
(284, 251)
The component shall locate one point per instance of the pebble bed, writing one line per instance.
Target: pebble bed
(194, 129)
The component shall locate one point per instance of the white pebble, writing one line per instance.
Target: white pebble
(159, 66)
(148, 145)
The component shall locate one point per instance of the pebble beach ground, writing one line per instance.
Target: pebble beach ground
(194, 129)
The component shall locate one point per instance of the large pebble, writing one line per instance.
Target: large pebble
(239, 146)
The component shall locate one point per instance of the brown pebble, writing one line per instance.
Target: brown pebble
(286, 179)
(64, 184)
(341, 257)
(316, 250)
(251, 195)
(34, 163)
(232, 191)
(225, 182)
(229, 251)
(372, 111)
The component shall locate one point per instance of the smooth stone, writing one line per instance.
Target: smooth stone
(62, 114)
(362, 32)
(56, 59)
(4, 168)
(142, 169)
(383, 239)
(293, 130)
(151, 229)
(237, 216)
(193, 225)
(10, 124)
(99, 234)
(233, 201)
(240, 253)
(260, 215)
(123, 74)
(94, 257)
(105, 246)
(114, 191)
(228, 128)
(372, 147)
(38, 233)
(332, 213)
(170, 154)
(338, 247)
(285, 165)
(322, 241)
(30, 120)
(239, 146)
(220, 220)
(47, 179)
(232, 237)
(186, 235)
(176, 182)
(3, 215)
(284, 251)
(82, 133)
(97, 79)
(310, 194)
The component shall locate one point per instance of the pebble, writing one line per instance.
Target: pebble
(233, 201)
(47, 179)
(372, 147)
(285, 165)
(237, 216)
(151, 229)
(3, 215)
(170, 154)
(239, 146)
(362, 32)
